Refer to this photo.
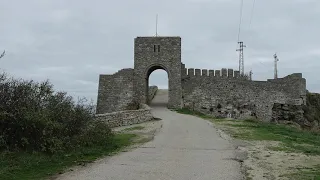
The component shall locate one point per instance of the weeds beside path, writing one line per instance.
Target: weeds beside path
(25, 166)
(33, 166)
(274, 151)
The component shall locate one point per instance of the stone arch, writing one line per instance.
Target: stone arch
(151, 53)
(154, 67)
(149, 71)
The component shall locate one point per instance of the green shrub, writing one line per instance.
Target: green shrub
(35, 118)
(96, 133)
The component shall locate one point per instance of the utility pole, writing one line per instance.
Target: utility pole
(275, 66)
(241, 58)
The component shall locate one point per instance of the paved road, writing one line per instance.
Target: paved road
(186, 148)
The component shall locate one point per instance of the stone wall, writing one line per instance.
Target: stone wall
(115, 92)
(312, 110)
(125, 118)
(286, 114)
(152, 92)
(224, 94)
(217, 92)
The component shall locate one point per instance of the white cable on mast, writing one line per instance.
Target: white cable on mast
(241, 7)
(252, 10)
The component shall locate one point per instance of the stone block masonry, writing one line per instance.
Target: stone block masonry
(152, 92)
(228, 95)
(222, 93)
(115, 92)
(284, 113)
(152, 53)
(125, 118)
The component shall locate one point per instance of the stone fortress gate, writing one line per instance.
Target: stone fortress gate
(217, 92)
(151, 54)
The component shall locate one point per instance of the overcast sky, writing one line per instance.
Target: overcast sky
(71, 42)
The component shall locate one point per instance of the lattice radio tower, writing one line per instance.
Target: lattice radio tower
(275, 66)
(241, 58)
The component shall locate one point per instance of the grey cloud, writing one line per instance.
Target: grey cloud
(72, 42)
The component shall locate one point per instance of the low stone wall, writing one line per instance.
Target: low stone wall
(152, 92)
(125, 118)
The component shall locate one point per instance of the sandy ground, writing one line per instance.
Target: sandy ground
(262, 163)
(149, 131)
(185, 148)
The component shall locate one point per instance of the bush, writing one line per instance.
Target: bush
(96, 133)
(35, 118)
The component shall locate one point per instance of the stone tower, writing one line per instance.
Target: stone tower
(152, 53)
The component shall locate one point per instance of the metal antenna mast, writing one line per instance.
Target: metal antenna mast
(241, 58)
(157, 25)
(275, 66)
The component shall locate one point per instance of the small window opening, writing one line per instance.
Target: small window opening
(156, 48)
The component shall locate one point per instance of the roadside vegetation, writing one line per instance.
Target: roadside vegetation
(274, 138)
(291, 138)
(42, 132)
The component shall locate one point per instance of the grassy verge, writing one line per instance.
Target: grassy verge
(305, 173)
(291, 139)
(27, 166)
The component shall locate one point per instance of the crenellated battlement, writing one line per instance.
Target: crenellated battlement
(223, 73)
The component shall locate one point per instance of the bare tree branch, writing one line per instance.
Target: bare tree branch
(4, 52)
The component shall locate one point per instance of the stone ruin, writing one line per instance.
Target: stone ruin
(220, 93)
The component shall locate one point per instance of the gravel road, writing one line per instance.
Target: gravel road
(186, 148)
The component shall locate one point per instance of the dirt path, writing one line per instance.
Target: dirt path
(185, 148)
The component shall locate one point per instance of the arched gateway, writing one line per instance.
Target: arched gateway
(127, 87)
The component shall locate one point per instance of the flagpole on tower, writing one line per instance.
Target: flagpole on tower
(157, 25)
